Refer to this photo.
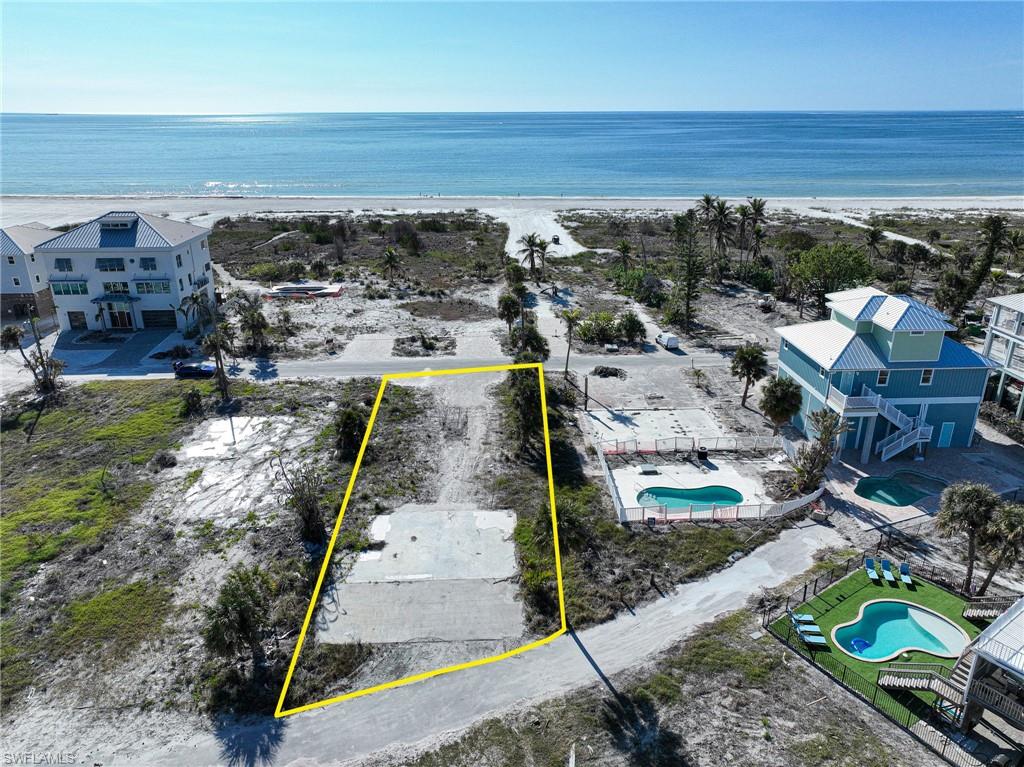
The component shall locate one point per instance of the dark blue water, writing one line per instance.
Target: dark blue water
(578, 154)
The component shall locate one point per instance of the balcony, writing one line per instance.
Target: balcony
(851, 405)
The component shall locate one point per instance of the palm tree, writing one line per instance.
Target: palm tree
(237, 621)
(508, 309)
(968, 508)
(530, 244)
(705, 209)
(749, 365)
(723, 224)
(933, 238)
(1014, 245)
(543, 251)
(10, 337)
(873, 239)
(391, 264)
(520, 292)
(571, 318)
(1004, 540)
(252, 321)
(781, 400)
(44, 367)
(757, 239)
(215, 344)
(624, 260)
(197, 305)
(758, 212)
(744, 216)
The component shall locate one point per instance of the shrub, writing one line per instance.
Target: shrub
(375, 225)
(191, 402)
(1002, 420)
(180, 352)
(432, 225)
(758, 277)
(266, 272)
(631, 327)
(598, 328)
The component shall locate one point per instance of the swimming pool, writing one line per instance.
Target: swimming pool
(900, 489)
(695, 498)
(887, 627)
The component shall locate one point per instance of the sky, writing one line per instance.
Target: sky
(241, 58)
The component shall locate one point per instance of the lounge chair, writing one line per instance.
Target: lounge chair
(905, 573)
(887, 571)
(813, 639)
(809, 628)
(801, 617)
(869, 567)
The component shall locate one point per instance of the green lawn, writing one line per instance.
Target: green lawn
(841, 602)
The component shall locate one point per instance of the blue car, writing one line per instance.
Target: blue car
(194, 369)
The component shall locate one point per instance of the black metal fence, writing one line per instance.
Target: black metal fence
(906, 710)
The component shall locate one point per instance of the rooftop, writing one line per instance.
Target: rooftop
(1002, 643)
(1014, 301)
(145, 231)
(894, 313)
(22, 239)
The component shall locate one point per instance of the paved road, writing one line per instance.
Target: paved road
(407, 715)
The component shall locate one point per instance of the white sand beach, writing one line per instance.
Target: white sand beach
(522, 213)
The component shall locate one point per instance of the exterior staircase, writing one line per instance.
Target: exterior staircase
(910, 430)
(989, 607)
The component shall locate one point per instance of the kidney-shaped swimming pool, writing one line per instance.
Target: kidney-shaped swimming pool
(887, 627)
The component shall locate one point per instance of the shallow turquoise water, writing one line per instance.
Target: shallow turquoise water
(888, 627)
(900, 489)
(696, 498)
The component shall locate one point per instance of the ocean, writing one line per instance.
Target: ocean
(646, 154)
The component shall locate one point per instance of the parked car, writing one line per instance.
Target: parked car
(667, 340)
(194, 369)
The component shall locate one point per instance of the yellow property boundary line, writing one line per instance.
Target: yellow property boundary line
(280, 711)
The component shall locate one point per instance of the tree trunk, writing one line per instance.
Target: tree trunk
(567, 351)
(970, 562)
(992, 571)
(746, 388)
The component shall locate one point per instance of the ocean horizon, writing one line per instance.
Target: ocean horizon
(516, 154)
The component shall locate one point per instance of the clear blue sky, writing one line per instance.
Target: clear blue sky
(246, 57)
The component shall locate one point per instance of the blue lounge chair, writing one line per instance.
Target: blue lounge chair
(905, 573)
(808, 628)
(869, 567)
(801, 617)
(887, 571)
(813, 639)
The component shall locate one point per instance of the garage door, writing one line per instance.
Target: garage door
(159, 318)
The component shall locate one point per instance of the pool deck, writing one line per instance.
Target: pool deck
(994, 460)
(737, 475)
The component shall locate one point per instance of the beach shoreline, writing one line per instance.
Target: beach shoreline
(61, 209)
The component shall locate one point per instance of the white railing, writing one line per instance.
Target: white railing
(725, 443)
(714, 513)
(1003, 704)
(887, 409)
(843, 402)
(613, 489)
(901, 440)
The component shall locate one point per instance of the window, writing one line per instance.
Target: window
(917, 332)
(110, 264)
(154, 286)
(181, 285)
(69, 288)
(115, 287)
(821, 372)
(203, 244)
(207, 267)
(63, 265)
(785, 345)
(883, 377)
(37, 278)
(10, 259)
(177, 259)
(17, 282)
(926, 377)
(147, 264)
(190, 278)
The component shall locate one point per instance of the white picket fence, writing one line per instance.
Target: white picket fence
(715, 513)
(718, 443)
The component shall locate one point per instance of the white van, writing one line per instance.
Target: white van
(667, 340)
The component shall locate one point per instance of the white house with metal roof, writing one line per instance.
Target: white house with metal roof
(1004, 344)
(126, 270)
(886, 365)
(24, 289)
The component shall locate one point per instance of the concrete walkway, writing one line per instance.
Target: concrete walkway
(420, 712)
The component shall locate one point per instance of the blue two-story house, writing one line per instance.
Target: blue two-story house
(886, 365)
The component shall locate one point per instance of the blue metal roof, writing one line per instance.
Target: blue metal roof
(870, 308)
(92, 235)
(920, 316)
(8, 247)
(863, 353)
